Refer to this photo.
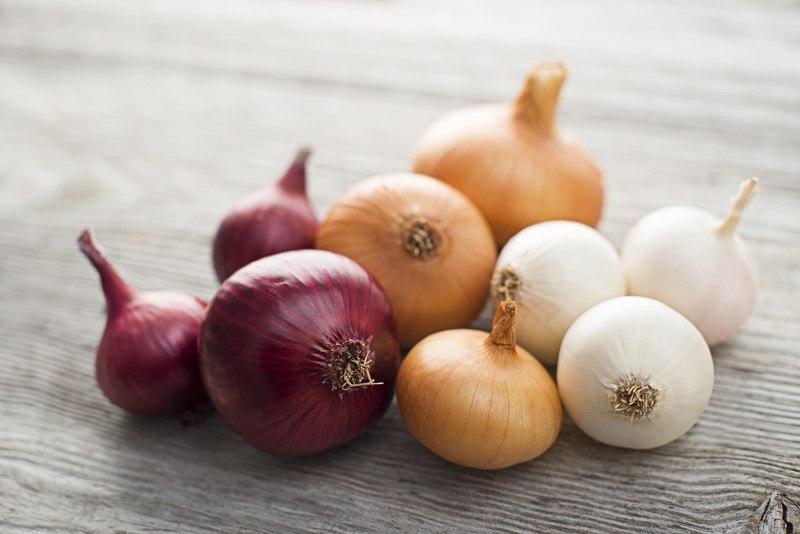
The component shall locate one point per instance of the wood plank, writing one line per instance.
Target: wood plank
(147, 119)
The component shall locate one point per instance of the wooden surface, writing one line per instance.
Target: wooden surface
(147, 119)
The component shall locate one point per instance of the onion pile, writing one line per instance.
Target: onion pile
(299, 349)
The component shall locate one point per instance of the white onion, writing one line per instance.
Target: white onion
(696, 263)
(555, 271)
(631, 344)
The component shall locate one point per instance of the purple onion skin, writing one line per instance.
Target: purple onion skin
(147, 360)
(266, 351)
(275, 219)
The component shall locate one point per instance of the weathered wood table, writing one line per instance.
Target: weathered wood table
(147, 119)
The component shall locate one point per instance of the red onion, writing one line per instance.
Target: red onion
(299, 351)
(275, 219)
(147, 359)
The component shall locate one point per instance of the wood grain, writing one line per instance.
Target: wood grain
(778, 514)
(147, 119)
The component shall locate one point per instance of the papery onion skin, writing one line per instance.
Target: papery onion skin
(560, 270)
(447, 289)
(476, 403)
(266, 344)
(271, 220)
(510, 160)
(147, 360)
(641, 338)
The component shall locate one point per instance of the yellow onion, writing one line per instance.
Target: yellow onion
(427, 244)
(478, 400)
(511, 161)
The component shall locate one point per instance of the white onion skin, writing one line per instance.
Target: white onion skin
(634, 336)
(565, 268)
(676, 255)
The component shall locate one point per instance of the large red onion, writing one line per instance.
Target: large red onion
(274, 219)
(299, 351)
(147, 359)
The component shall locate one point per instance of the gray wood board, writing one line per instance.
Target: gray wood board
(147, 119)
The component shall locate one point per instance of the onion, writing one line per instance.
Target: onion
(274, 219)
(696, 263)
(511, 161)
(425, 242)
(634, 373)
(478, 400)
(555, 271)
(147, 359)
(299, 352)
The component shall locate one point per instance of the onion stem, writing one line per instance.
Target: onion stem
(116, 290)
(536, 104)
(747, 191)
(295, 178)
(504, 332)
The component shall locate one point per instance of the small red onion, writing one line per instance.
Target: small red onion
(147, 360)
(299, 352)
(275, 219)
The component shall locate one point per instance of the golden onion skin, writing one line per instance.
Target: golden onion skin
(446, 284)
(510, 160)
(478, 404)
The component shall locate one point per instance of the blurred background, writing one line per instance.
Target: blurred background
(147, 119)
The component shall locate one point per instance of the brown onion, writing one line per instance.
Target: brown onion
(478, 400)
(425, 242)
(511, 161)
